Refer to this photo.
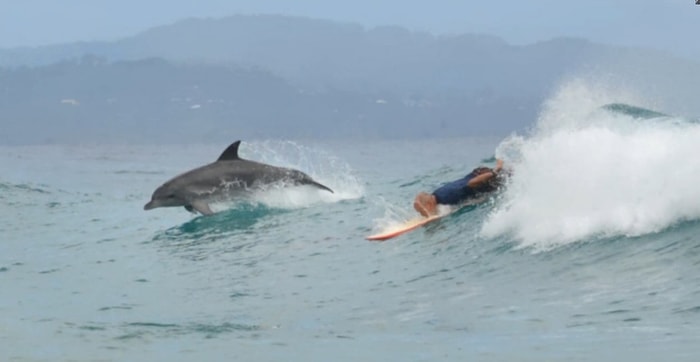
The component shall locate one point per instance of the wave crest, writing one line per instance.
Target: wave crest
(596, 174)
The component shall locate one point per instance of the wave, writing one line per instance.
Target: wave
(591, 169)
(205, 229)
(633, 111)
(23, 188)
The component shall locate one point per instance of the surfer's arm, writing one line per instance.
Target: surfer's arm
(478, 180)
(484, 177)
(499, 165)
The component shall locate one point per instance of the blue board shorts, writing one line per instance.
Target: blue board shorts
(455, 192)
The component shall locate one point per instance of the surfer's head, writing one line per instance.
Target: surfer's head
(480, 170)
(492, 183)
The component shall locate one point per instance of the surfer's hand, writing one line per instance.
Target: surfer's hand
(499, 165)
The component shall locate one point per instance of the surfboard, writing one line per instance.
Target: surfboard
(417, 222)
(405, 227)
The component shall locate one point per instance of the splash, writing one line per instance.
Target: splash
(395, 216)
(322, 166)
(589, 171)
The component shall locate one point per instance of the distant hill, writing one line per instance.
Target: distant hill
(277, 76)
(323, 54)
(154, 101)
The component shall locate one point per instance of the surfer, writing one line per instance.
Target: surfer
(481, 180)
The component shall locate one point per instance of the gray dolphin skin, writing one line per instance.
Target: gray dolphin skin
(222, 179)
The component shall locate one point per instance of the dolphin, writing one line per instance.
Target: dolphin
(220, 180)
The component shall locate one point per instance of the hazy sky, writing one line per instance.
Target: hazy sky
(663, 24)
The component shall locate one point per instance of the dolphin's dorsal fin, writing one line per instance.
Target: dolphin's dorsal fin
(231, 152)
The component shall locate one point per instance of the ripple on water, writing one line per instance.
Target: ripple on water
(164, 330)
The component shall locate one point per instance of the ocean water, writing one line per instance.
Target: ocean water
(591, 253)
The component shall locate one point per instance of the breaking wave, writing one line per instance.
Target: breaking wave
(597, 166)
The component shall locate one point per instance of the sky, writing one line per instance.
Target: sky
(669, 25)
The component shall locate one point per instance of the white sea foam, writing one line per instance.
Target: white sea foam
(322, 166)
(585, 172)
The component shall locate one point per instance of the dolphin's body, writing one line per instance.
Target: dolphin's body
(228, 176)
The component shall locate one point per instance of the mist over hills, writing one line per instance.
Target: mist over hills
(152, 100)
(289, 77)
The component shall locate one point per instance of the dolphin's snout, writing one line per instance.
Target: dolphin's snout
(149, 205)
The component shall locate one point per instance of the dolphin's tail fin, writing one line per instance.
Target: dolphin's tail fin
(322, 187)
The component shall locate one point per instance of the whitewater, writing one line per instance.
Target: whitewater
(594, 169)
(589, 253)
